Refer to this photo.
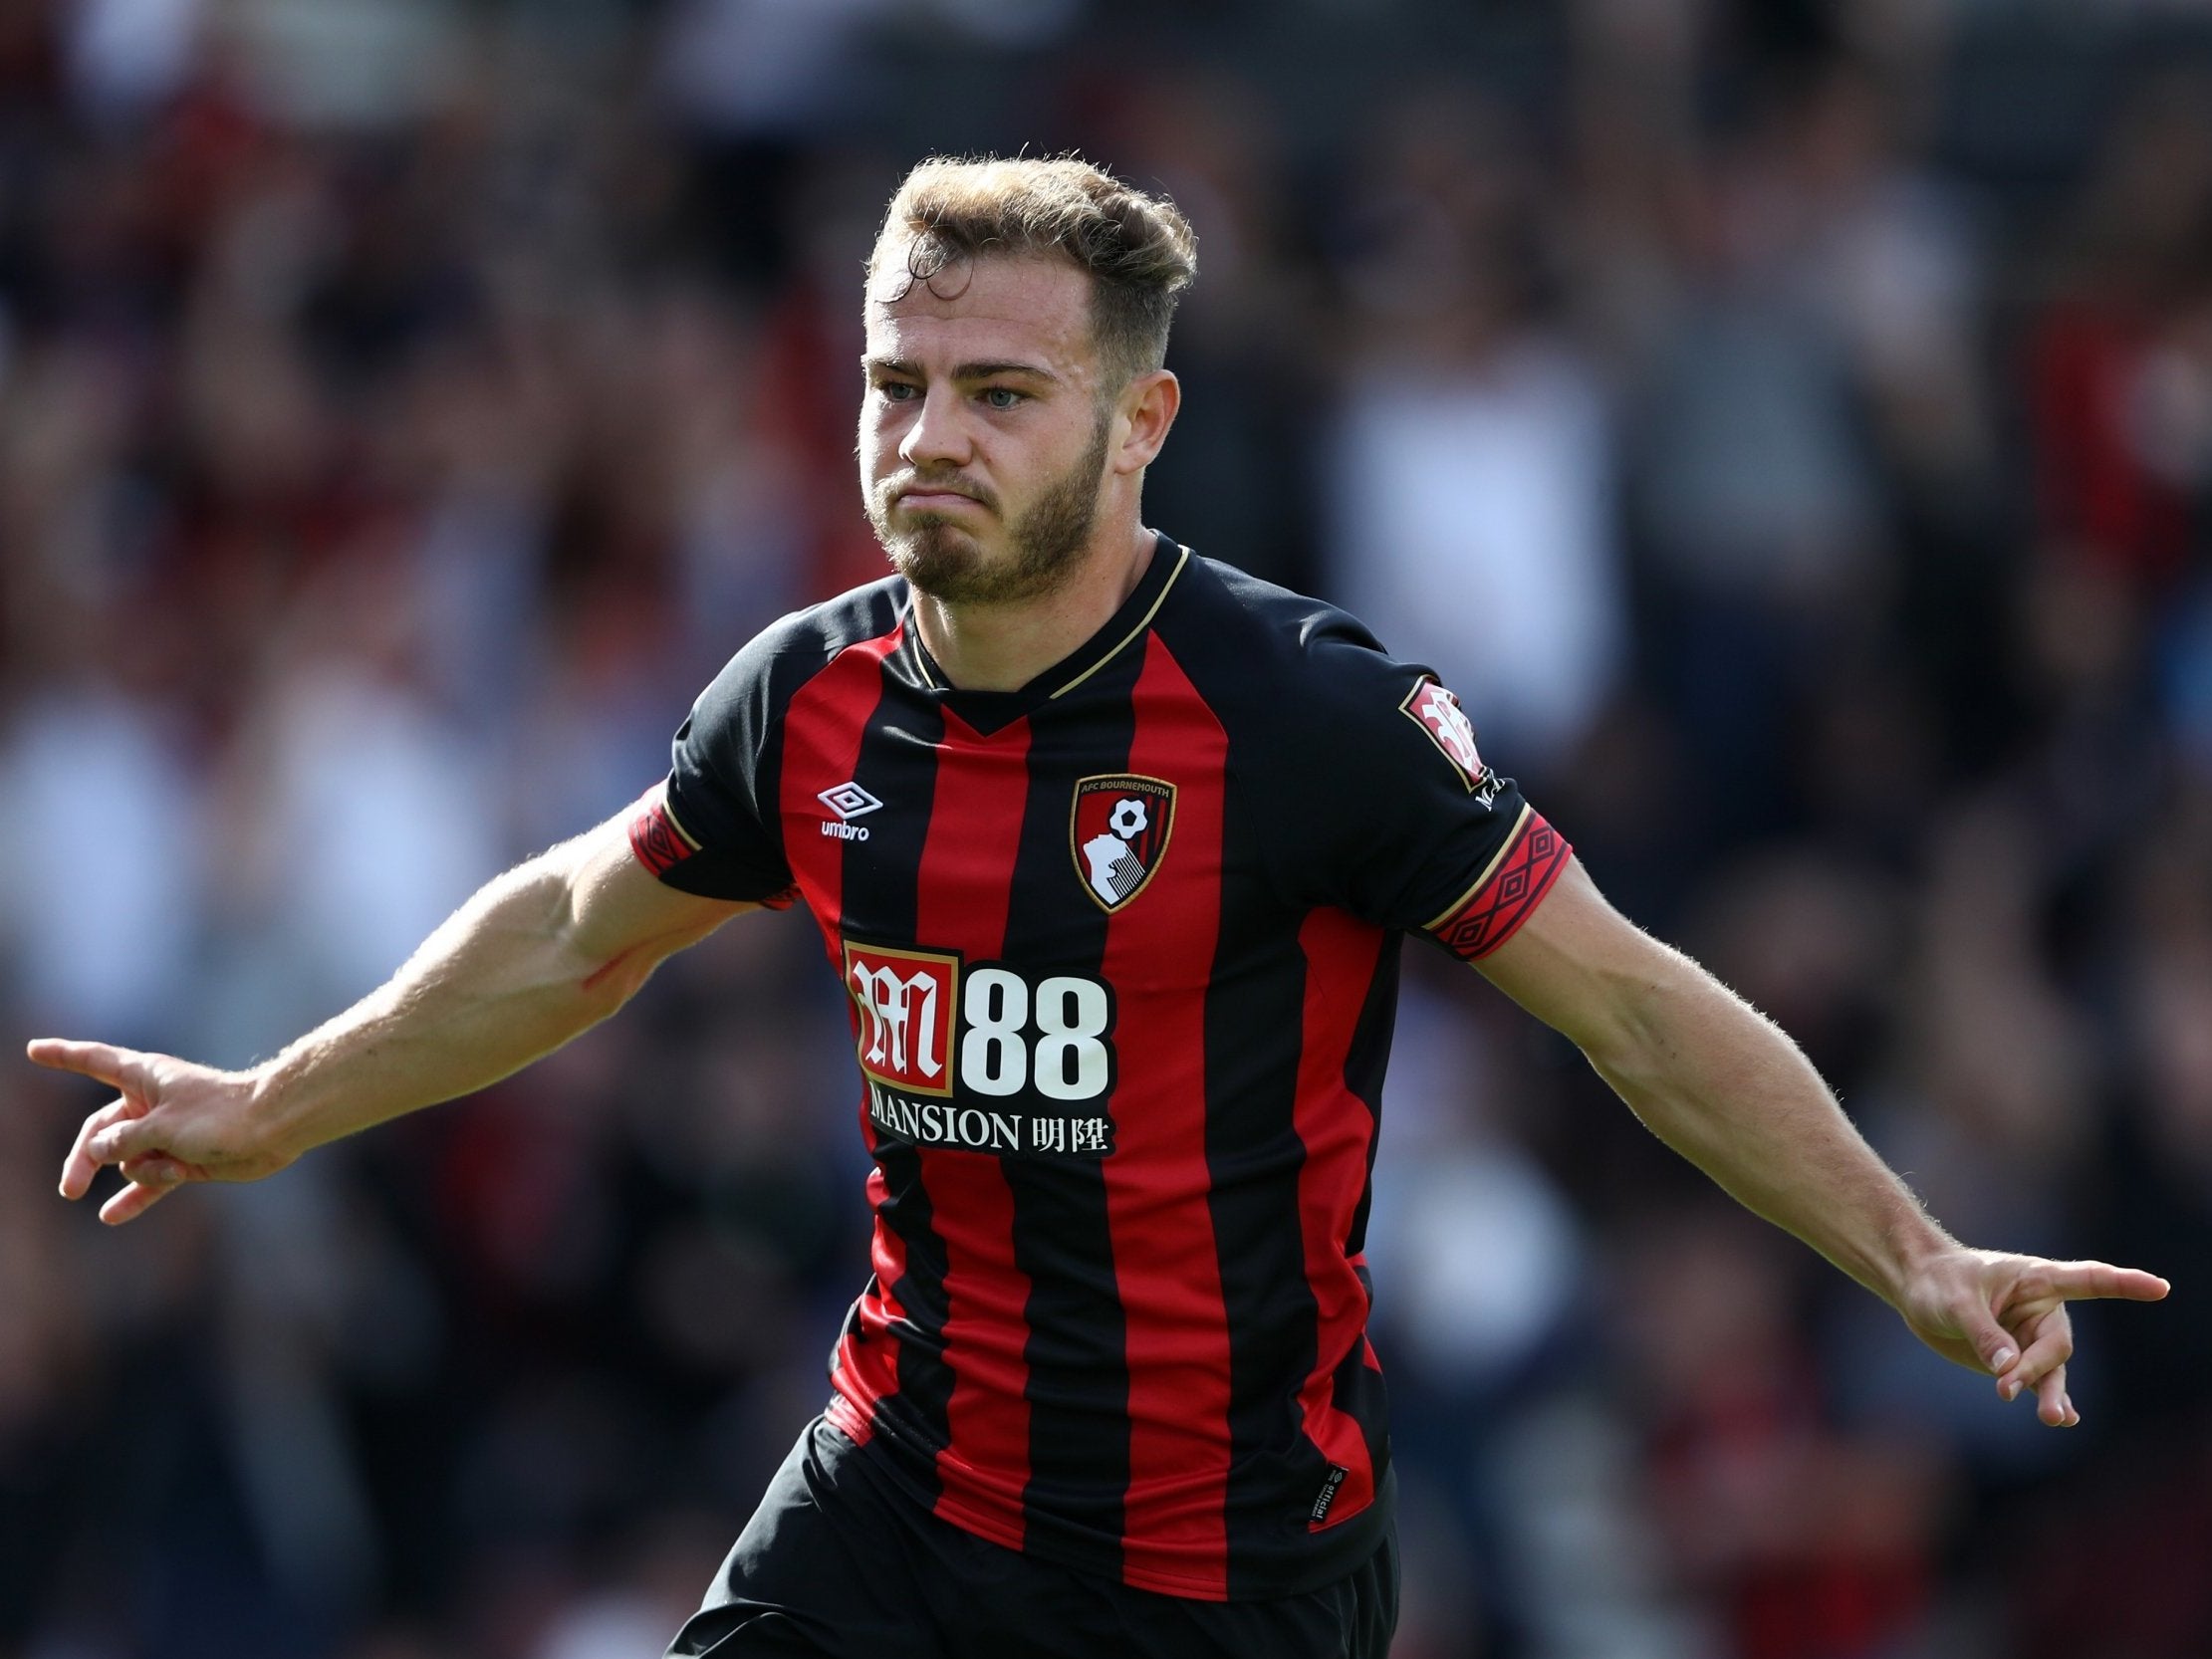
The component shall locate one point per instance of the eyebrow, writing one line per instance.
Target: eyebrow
(985, 369)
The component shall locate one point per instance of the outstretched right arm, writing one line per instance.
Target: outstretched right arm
(536, 957)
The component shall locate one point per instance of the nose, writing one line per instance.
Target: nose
(938, 437)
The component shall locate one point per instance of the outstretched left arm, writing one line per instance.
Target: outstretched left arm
(1721, 1085)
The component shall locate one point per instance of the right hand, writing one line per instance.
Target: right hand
(171, 1122)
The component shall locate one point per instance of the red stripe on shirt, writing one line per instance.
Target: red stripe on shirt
(1164, 1255)
(975, 831)
(822, 731)
(1336, 1126)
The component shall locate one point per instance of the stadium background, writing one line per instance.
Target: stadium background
(1789, 428)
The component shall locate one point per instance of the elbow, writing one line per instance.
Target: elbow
(617, 978)
(613, 974)
(1634, 1037)
(606, 972)
(612, 924)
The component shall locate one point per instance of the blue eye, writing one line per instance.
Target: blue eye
(1001, 397)
(894, 392)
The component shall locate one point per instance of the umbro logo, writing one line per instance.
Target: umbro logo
(849, 801)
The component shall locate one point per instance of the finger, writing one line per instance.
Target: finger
(126, 1138)
(102, 1061)
(2078, 1279)
(82, 1164)
(2049, 1343)
(1988, 1338)
(2051, 1406)
(154, 1170)
(134, 1200)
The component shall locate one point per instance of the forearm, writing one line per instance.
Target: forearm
(507, 977)
(537, 955)
(1724, 1086)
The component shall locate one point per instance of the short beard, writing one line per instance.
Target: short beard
(939, 557)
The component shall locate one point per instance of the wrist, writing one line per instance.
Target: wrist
(1915, 1242)
(273, 1106)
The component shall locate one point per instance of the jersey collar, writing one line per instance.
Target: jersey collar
(987, 711)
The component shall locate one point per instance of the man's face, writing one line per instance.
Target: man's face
(983, 431)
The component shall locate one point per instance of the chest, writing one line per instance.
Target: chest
(1060, 839)
(1011, 912)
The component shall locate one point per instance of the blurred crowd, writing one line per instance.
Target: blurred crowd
(1787, 424)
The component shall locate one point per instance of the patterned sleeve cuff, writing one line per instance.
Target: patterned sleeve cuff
(655, 837)
(659, 842)
(1507, 894)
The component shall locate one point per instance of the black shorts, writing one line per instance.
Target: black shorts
(839, 1562)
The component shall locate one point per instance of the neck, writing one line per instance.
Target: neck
(1002, 647)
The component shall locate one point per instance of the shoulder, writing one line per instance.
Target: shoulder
(1361, 770)
(820, 633)
(1315, 669)
(788, 653)
(1224, 594)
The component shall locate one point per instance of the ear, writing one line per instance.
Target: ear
(1145, 411)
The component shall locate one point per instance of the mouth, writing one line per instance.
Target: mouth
(925, 499)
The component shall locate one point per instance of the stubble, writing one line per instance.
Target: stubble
(938, 556)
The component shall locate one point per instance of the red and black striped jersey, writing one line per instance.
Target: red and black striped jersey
(1121, 953)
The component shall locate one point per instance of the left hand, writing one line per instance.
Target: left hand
(2006, 1315)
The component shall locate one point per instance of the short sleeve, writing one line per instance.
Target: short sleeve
(1403, 823)
(712, 828)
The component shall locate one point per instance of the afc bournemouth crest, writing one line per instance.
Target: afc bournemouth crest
(1430, 706)
(1118, 832)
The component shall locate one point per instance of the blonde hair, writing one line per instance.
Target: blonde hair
(1139, 250)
